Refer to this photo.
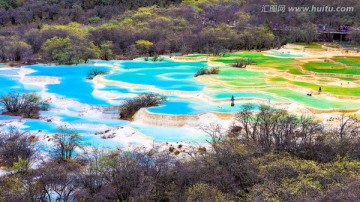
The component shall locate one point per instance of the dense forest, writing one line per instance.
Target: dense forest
(267, 155)
(72, 31)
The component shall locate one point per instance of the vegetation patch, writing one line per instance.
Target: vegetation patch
(205, 71)
(241, 63)
(155, 58)
(268, 153)
(94, 19)
(94, 72)
(128, 109)
(27, 105)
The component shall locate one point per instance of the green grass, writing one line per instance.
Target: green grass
(311, 45)
(328, 67)
(350, 61)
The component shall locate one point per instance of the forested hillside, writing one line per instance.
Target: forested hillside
(72, 31)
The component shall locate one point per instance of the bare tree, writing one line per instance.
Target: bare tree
(94, 72)
(17, 146)
(308, 33)
(354, 36)
(58, 181)
(131, 106)
(27, 105)
(66, 142)
(349, 127)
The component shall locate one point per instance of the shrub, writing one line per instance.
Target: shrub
(27, 105)
(94, 19)
(66, 142)
(171, 149)
(242, 63)
(156, 58)
(204, 192)
(94, 72)
(354, 36)
(200, 72)
(15, 146)
(213, 70)
(204, 71)
(131, 106)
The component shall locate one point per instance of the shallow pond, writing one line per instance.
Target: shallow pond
(187, 96)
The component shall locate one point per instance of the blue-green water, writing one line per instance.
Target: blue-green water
(166, 75)
(168, 134)
(73, 83)
(285, 55)
(192, 107)
(228, 95)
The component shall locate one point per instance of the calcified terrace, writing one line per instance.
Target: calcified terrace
(281, 78)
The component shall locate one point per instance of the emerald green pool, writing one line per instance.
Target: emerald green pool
(314, 101)
(327, 67)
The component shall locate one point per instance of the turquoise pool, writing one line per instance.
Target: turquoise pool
(285, 55)
(178, 106)
(165, 75)
(73, 83)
